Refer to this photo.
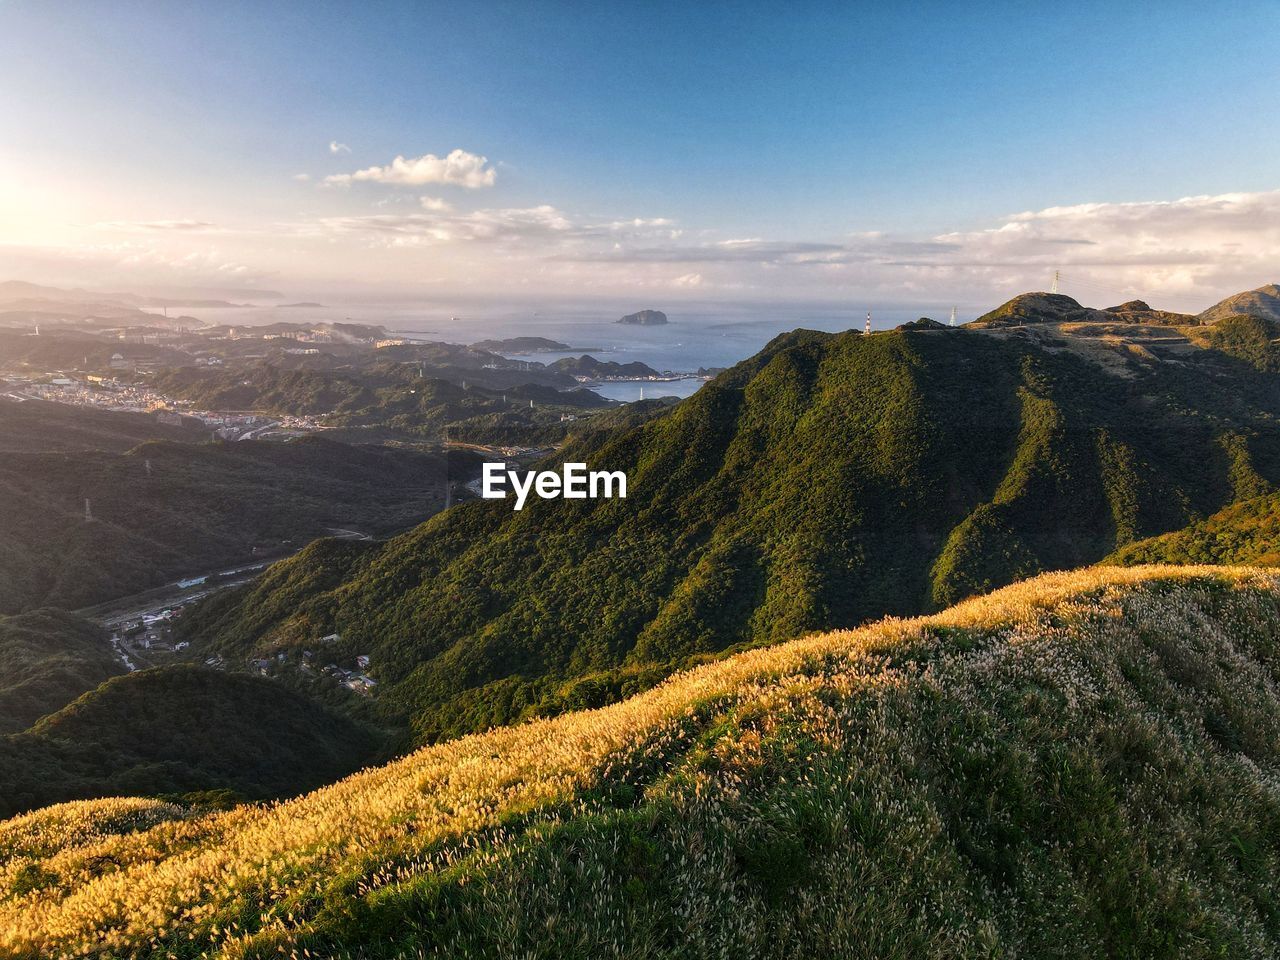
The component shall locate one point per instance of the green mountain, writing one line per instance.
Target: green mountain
(1247, 338)
(588, 366)
(829, 480)
(1243, 533)
(169, 510)
(395, 401)
(1079, 766)
(47, 659)
(1040, 308)
(177, 730)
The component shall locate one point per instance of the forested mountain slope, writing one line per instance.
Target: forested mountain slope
(179, 729)
(1247, 532)
(828, 480)
(47, 659)
(1080, 765)
(168, 510)
(31, 426)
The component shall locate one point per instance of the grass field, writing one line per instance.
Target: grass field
(1082, 764)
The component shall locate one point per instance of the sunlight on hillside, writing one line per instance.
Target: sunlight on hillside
(817, 742)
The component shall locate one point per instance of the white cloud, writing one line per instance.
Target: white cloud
(302, 177)
(458, 169)
(1179, 254)
(545, 228)
(1182, 254)
(336, 147)
(1185, 249)
(186, 226)
(439, 224)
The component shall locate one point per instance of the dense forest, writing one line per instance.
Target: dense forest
(47, 659)
(1243, 533)
(167, 510)
(183, 730)
(829, 480)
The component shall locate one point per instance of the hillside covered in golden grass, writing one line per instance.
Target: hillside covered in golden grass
(1084, 764)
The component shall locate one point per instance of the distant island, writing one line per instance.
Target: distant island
(645, 318)
(587, 366)
(305, 303)
(525, 345)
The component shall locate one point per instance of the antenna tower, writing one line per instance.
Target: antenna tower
(867, 328)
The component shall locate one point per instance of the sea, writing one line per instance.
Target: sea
(702, 336)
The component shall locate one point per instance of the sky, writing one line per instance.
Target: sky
(647, 152)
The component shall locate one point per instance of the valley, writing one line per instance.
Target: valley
(830, 480)
(825, 483)
(639, 481)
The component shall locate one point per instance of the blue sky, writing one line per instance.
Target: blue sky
(805, 124)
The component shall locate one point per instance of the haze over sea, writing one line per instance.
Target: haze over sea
(701, 335)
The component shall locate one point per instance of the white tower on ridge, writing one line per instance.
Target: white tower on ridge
(953, 316)
(867, 328)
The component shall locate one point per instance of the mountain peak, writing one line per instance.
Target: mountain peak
(1130, 306)
(1263, 302)
(1039, 307)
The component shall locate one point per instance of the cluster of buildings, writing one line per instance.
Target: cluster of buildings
(109, 394)
(356, 680)
(151, 632)
(95, 391)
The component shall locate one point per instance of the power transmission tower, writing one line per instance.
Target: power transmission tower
(953, 316)
(867, 328)
(1057, 275)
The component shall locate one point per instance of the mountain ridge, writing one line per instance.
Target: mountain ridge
(1262, 302)
(1039, 766)
(831, 479)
